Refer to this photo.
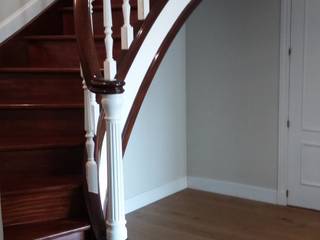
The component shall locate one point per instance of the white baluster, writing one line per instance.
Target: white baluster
(143, 9)
(91, 165)
(91, 11)
(126, 29)
(116, 221)
(110, 65)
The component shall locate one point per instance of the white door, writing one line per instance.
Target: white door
(304, 132)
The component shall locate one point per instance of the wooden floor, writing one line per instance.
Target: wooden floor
(194, 215)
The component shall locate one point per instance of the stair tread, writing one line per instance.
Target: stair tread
(55, 105)
(63, 37)
(48, 142)
(39, 70)
(17, 184)
(117, 5)
(45, 230)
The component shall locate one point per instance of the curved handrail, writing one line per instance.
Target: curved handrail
(88, 53)
(150, 73)
(126, 64)
(96, 83)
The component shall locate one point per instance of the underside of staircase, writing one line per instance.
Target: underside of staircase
(43, 182)
(42, 136)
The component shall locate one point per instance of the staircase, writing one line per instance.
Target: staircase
(43, 184)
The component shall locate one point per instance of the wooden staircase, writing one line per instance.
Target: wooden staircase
(42, 136)
(43, 184)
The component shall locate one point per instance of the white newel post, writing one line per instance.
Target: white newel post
(143, 9)
(116, 229)
(110, 65)
(89, 122)
(126, 29)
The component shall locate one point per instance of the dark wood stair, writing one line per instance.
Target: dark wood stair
(42, 136)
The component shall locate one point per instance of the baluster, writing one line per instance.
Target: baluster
(126, 29)
(91, 165)
(143, 9)
(110, 65)
(116, 221)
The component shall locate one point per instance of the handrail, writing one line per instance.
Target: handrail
(110, 98)
(88, 53)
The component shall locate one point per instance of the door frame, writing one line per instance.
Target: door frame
(284, 90)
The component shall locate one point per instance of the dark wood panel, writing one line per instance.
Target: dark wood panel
(71, 229)
(42, 162)
(18, 125)
(117, 17)
(62, 51)
(37, 87)
(35, 199)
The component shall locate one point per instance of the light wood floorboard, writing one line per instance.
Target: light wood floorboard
(196, 215)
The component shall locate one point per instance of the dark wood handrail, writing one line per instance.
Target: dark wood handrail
(88, 53)
(128, 60)
(95, 82)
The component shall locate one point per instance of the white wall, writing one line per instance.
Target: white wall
(156, 154)
(232, 91)
(8, 7)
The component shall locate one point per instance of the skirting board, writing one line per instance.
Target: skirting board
(233, 189)
(21, 17)
(155, 195)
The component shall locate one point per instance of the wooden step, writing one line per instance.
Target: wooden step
(29, 199)
(40, 125)
(71, 229)
(62, 51)
(55, 87)
(117, 17)
(40, 158)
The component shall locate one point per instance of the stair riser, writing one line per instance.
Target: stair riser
(74, 236)
(41, 206)
(68, 21)
(40, 88)
(63, 53)
(42, 123)
(56, 161)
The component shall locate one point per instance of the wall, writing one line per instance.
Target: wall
(8, 7)
(232, 91)
(156, 154)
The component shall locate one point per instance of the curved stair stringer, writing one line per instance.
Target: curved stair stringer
(149, 58)
(137, 70)
(141, 73)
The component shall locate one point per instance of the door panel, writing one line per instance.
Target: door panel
(304, 133)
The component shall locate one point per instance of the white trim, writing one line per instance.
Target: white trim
(21, 17)
(284, 84)
(154, 195)
(233, 189)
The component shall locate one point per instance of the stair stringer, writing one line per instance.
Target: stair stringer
(142, 71)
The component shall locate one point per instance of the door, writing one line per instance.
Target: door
(304, 106)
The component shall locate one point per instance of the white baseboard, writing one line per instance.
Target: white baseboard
(154, 195)
(233, 189)
(21, 17)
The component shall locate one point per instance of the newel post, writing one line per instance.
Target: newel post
(116, 229)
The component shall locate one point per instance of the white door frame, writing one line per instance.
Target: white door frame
(284, 85)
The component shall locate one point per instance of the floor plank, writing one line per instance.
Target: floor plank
(196, 215)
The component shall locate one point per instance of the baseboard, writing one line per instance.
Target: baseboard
(233, 189)
(21, 17)
(155, 195)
